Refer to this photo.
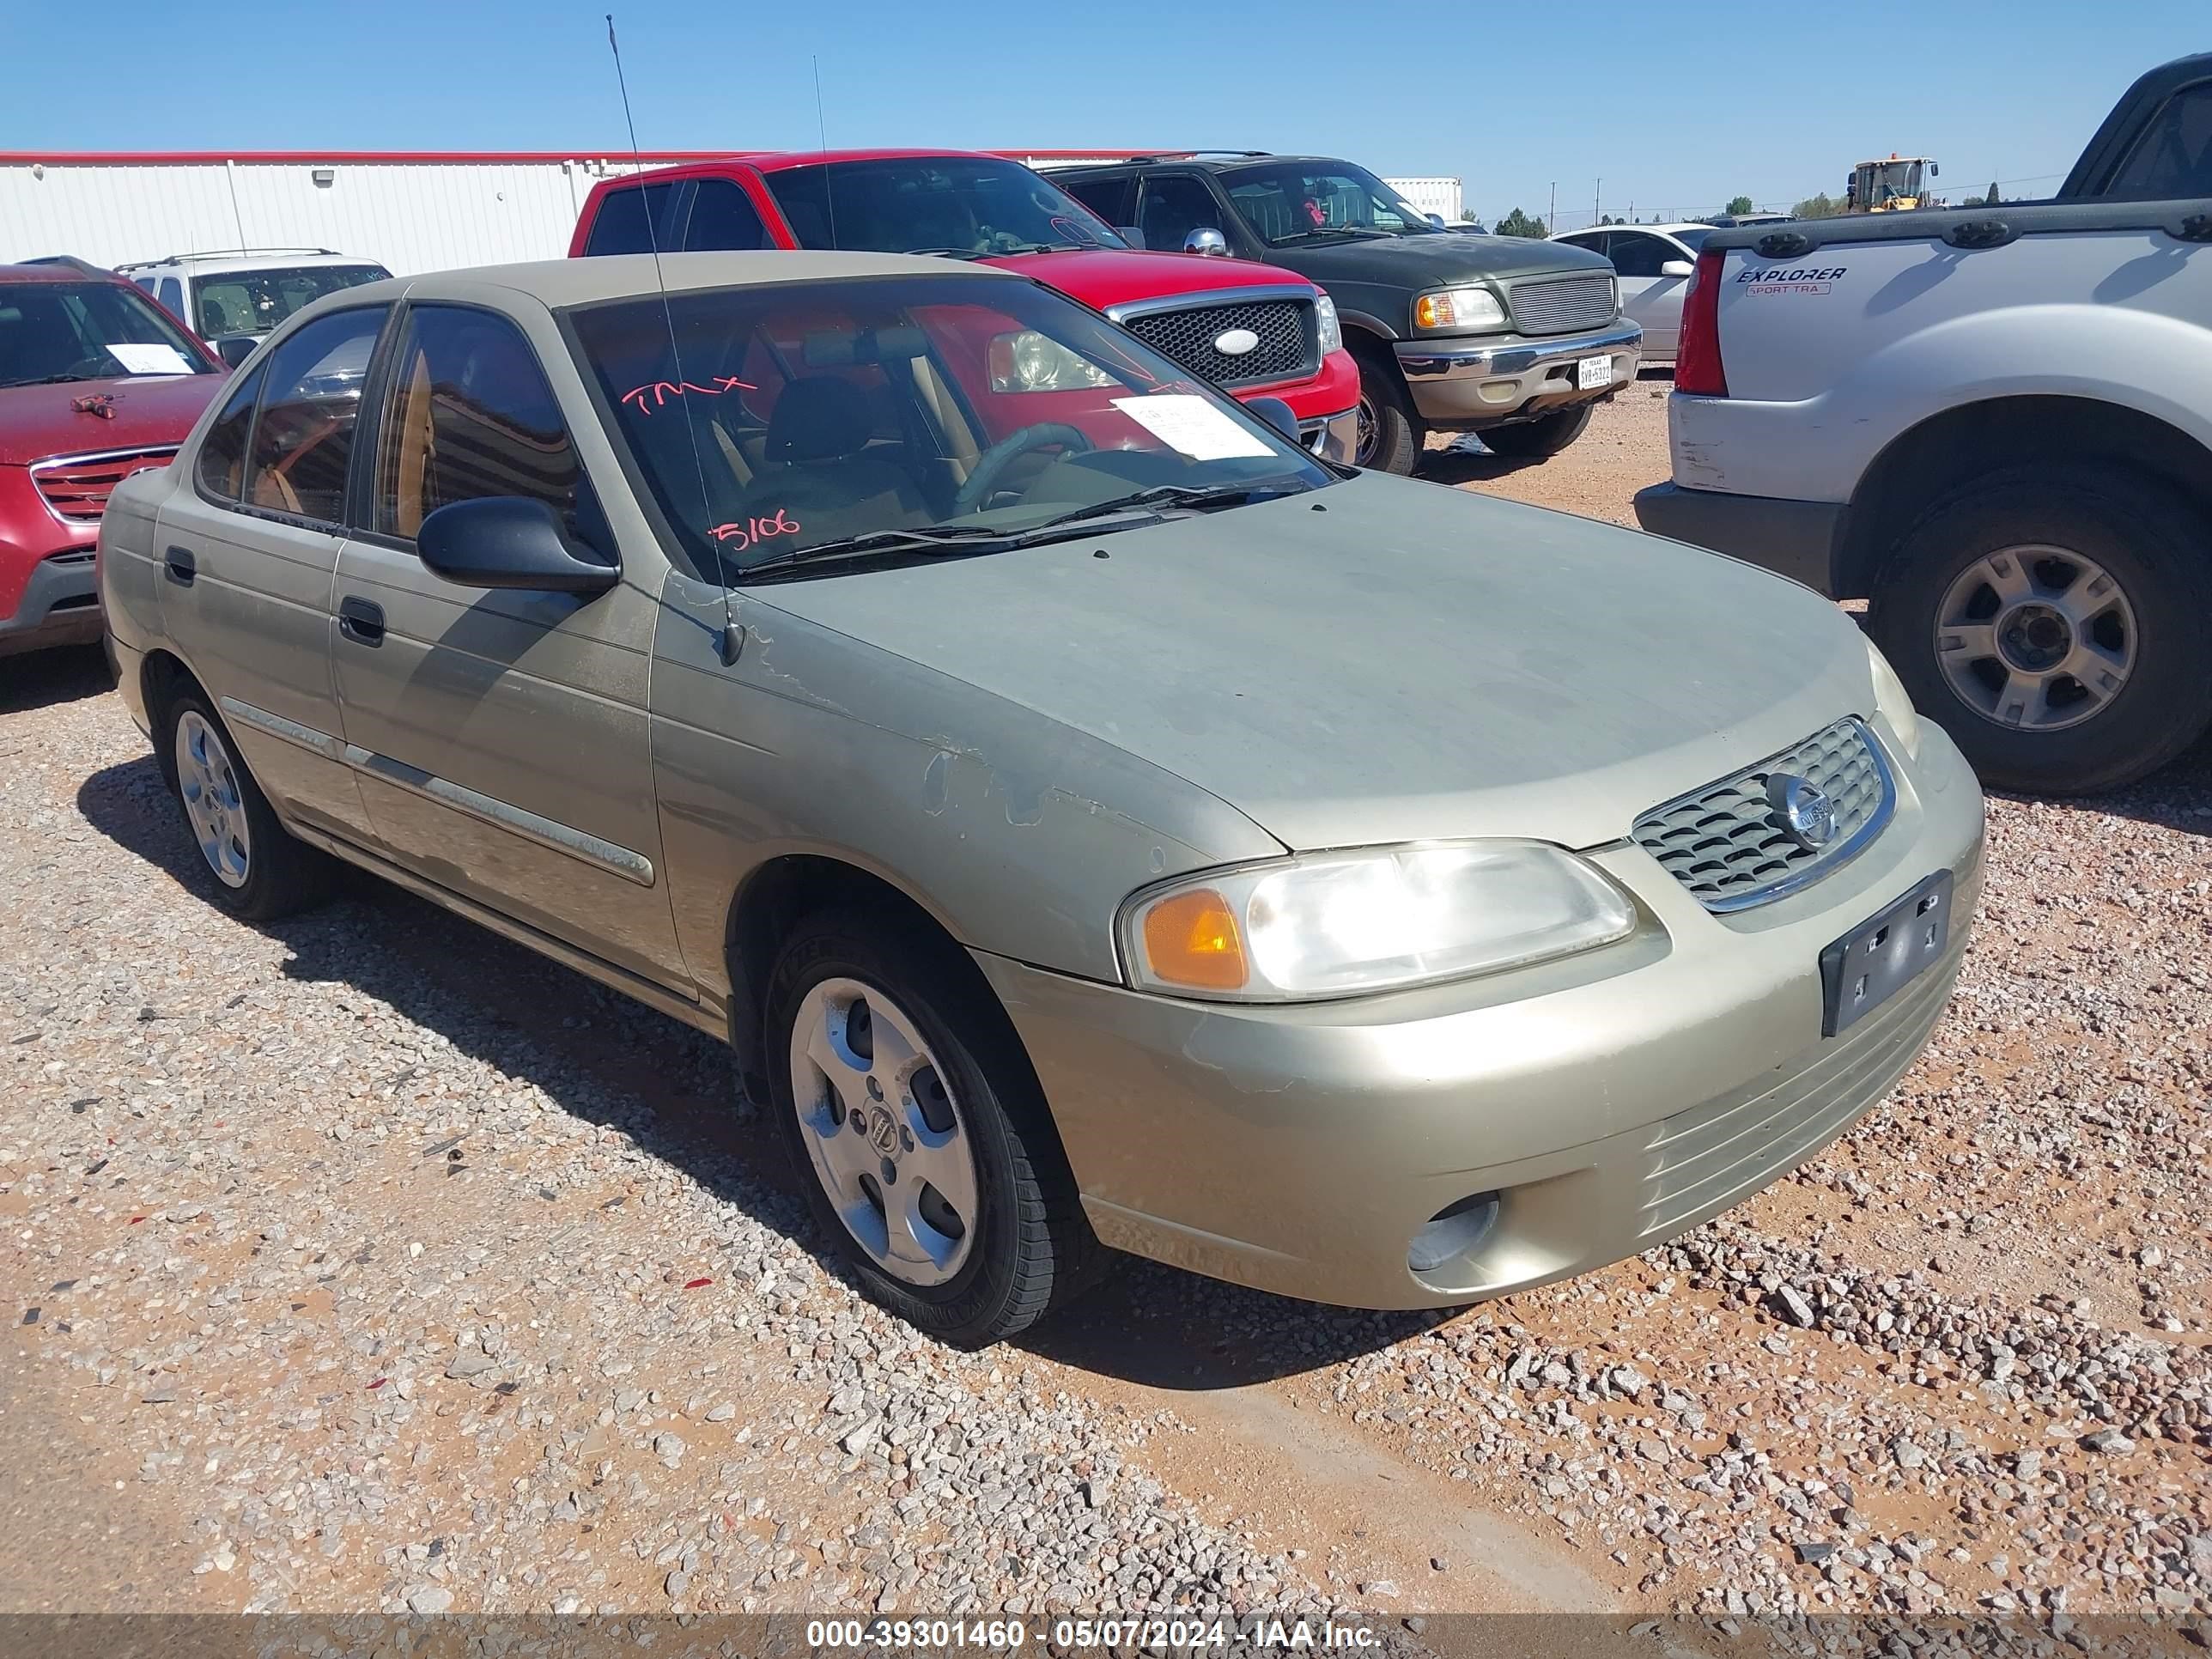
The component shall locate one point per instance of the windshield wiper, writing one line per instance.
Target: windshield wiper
(929, 539)
(1200, 497)
(1331, 230)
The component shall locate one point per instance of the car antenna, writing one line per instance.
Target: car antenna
(732, 637)
(822, 142)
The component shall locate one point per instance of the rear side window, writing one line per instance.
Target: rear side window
(303, 442)
(1111, 200)
(2173, 157)
(723, 216)
(622, 225)
(221, 471)
(171, 294)
(470, 414)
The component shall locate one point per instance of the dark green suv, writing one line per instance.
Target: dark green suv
(1511, 338)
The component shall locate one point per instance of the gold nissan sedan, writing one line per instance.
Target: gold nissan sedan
(1091, 819)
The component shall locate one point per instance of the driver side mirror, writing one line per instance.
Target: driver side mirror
(1677, 268)
(235, 348)
(510, 541)
(1278, 414)
(1438, 220)
(1208, 240)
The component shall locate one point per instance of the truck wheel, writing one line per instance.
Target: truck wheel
(919, 1133)
(261, 873)
(2057, 624)
(1390, 433)
(1537, 440)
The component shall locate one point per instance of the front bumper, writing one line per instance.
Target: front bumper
(1335, 438)
(1490, 381)
(59, 604)
(1613, 1100)
(1796, 539)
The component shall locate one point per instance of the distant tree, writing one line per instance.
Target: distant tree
(1823, 206)
(1992, 198)
(1467, 217)
(1738, 204)
(1517, 223)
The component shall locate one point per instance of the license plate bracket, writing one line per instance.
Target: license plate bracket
(1592, 373)
(1862, 969)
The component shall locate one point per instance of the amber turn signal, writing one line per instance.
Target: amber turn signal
(1192, 939)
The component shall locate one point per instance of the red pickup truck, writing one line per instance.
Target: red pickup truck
(96, 382)
(1251, 329)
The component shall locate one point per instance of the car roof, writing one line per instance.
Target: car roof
(558, 282)
(1210, 162)
(57, 273)
(778, 161)
(265, 259)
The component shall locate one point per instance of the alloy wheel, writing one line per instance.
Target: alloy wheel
(1363, 449)
(2036, 637)
(208, 779)
(886, 1138)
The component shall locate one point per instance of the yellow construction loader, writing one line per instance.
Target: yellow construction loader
(1890, 186)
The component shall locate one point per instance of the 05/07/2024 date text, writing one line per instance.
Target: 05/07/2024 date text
(1011, 1635)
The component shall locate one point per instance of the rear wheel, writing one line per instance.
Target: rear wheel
(1536, 440)
(1390, 433)
(260, 871)
(918, 1132)
(2057, 624)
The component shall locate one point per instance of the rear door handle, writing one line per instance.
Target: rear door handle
(361, 621)
(181, 566)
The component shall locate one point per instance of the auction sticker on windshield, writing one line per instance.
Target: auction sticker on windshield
(1191, 426)
(151, 357)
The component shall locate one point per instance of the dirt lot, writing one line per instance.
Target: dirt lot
(367, 1261)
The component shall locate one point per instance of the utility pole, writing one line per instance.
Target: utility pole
(1552, 215)
(1597, 203)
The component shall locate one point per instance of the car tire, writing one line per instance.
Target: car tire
(1390, 434)
(255, 869)
(895, 1079)
(2098, 559)
(1539, 439)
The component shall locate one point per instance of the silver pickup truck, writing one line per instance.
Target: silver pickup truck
(1994, 424)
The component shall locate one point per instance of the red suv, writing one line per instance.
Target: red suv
(96, 382)
(1255, 330)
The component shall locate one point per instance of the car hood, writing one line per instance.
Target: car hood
(1413, 663)
(39, 421)
(1424, 262)
(1102, 277)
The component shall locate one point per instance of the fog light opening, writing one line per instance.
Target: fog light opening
(1453, 1233)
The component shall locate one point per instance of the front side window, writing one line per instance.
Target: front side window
(468, 414)
(1174, 206)
(2173, 158)
(1635, 255)
(912, 412)
(255, 301)
(52, 332)
(303, 442)
(1292, 203)
(972, 206)
(222, 471)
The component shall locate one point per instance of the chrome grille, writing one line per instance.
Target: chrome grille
(1288, 339)
(1555, 305)
(76, 487)
(1729, 846)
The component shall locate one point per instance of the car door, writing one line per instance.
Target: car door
(500, 735)
(1171, 205)
(1649, 296)
(249, 547)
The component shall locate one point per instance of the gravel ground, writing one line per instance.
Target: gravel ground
(366, 1261)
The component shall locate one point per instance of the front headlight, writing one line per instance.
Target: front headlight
(1458, 308)
(1030, 362)
(1331, 331)
(1346, 924)
(1894, 703)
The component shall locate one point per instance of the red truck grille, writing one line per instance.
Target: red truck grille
(1283, 344)
(77, 487)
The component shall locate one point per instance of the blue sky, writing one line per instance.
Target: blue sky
(1676, 106)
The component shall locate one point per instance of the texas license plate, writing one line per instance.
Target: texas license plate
(1865, 966)
(1591, 373)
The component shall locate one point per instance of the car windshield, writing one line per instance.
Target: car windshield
(255, 301)
(933, 204)
(901, 416)
(1290, 203)
(55, 331)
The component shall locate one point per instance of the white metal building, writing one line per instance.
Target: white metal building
(408, 211)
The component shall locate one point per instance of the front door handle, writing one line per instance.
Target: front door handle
(180, 565)
(361, 621)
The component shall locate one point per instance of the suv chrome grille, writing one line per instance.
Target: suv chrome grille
(1288, 339)
(1554, 305)
(1728, 844)
(77, 487)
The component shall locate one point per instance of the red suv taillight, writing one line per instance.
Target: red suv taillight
(1697, 368)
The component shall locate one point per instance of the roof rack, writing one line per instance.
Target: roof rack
(223, 253)
(1199, 155)
(83, 266)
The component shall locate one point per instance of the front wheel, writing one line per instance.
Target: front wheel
(1539, 439)
(2056, 623)
(919, 1133)
(1390, 433)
